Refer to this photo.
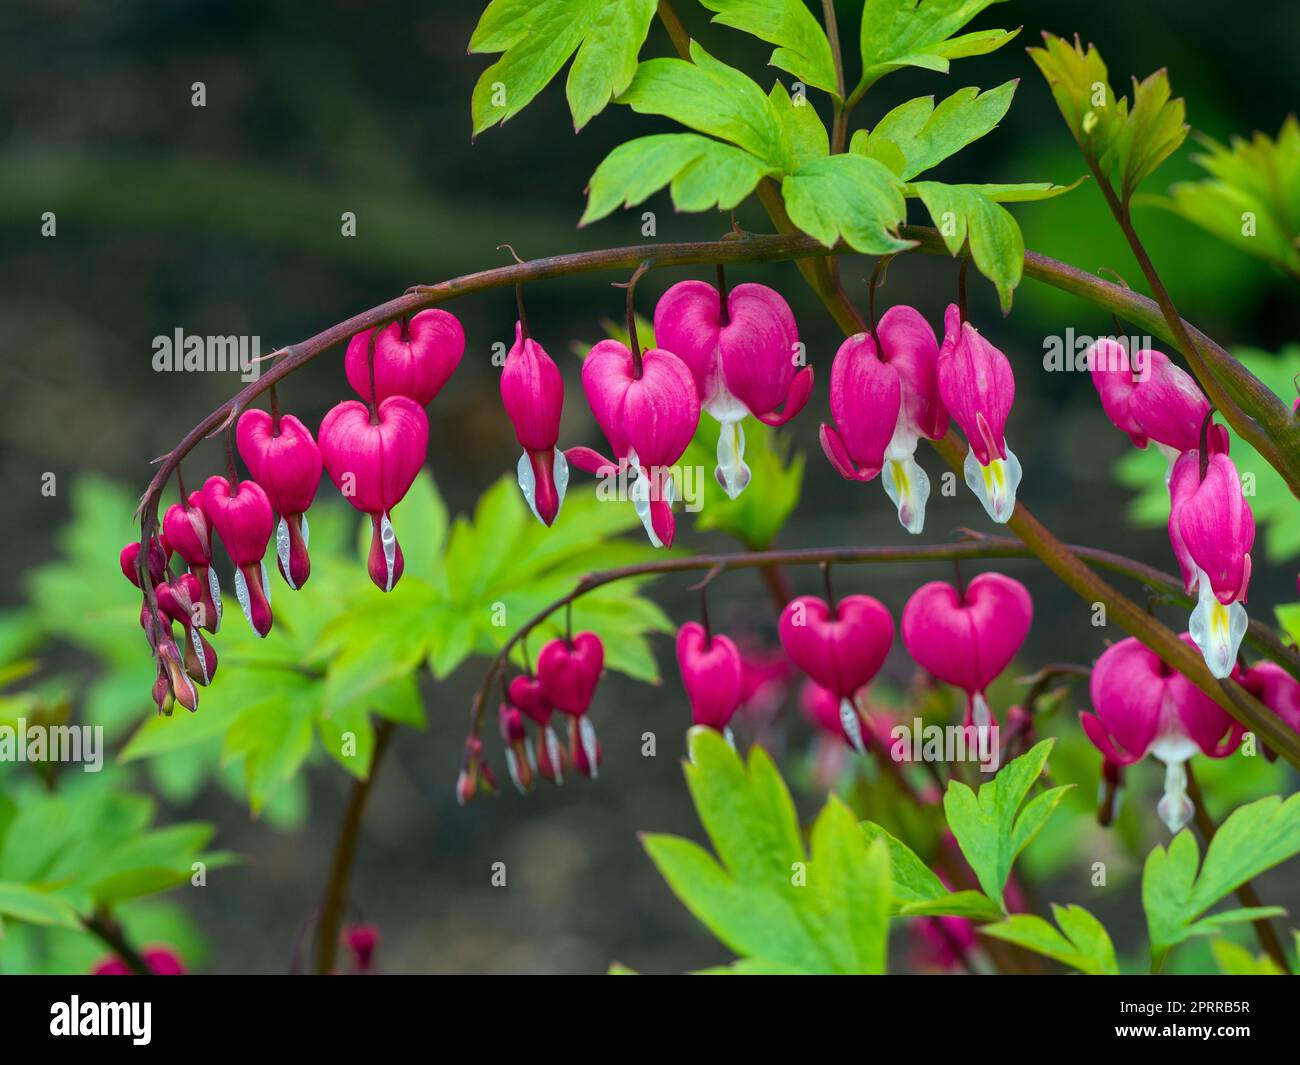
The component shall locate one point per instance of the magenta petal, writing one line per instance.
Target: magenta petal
(374, 465)
(1096, 732)
(569, 671)
(843, 651)
(241, 516)
(977, 385)
(838, 454)
(415, 364)
(1128, 686)
(687, 323)
(1218, 529)
(532, 392)
(287, 463)
(711, 673)
(757, 348)
(800, 389)
(865, 401)
(1112, 376)
(1168, 405)
(908, 345)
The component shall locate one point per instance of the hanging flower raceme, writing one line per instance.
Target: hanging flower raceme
(841, 648)
(744, 359)
(1278, 690)
(884, 398)
(1143, 706)
(568, 671)
(532, 392)
(241, 515)
(1212, 530)
(978, 387)
(648, 410)
(475, 772)
(284, 459)
(520, 759)
(712, 674)
(967, 638)
(374, 462)
(181, 601)
(412, 358)
(1149, 398)
(526, 693)
(189, 534)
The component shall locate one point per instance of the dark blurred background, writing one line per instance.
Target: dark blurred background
(226, 219)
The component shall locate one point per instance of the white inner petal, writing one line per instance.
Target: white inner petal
(241, 593)
(1175, 808)
(994, 485)
(852, 725)
(731, 472)
(527, 483)
(197, 642)
(306, 530)
(553, 753)
(587, 733)
(1217, 629)
(908, 485)
(282, 551)
(639, 490)
(214, 589)
(266, 583)
(389, 540)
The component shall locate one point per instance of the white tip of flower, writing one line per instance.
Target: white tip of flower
(512, 763)
(639, 490)
(1175, 808)
(528, 480)
(852, 725)
(388, 539)
(909, 487)
(241, 593)
(1217, 629)
(980, 714)
(553, 754)
(587, 734)
(994, 485)
(266, 582)
(732, 473)
(214, 589)
(282, 551)
(729, 736)
(197, 642)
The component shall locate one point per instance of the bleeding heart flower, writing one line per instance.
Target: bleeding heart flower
(648, 418)
(824, 710)
(374, 464)
(532, 392)
(520, 759)
(1277, 689)
(884, 398)
(159, 555)
(189, 532)
(286, 462)
(978, 387)
(414, 358)
(526, 693)
(568, 671)
(181, 600)
(241, 515)
(1150, 398)
(1212, 531)
(475, 772)
(743, 360)
(841, 648)
(362, 941)
(1143, 706)
(967, 640)
(712, 675)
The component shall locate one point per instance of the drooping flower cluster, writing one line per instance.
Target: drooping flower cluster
(1211, 526)
(371, 452)
(895, 385)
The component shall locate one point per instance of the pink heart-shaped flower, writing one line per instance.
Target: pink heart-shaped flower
(283, 459)
(374, 465)
(569, 670)
(967, 641)
(413, 361)
(842, 649)
(711, 674)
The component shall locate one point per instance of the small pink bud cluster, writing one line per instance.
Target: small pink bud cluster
(1211, 526)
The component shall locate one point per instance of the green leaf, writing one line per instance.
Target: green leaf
(926, 134)
(709, 97)
(1251, 198)
(1235, 960)
(23, 903)
(804, 136)
(918, 891)
(849, 197)
(704, 173)
(993, 829)
(852, 880)
(273, 738)
(961, 212)
(1254, 838)
(1130, 142)
(802, 47)
(763, 899)
(538, 36)
(1082, 943)
(1025, 193)
(919, 33)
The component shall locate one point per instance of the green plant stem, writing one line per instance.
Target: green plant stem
(107, 930)
(1264, 930)
(1266, 422)
(329, 921)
